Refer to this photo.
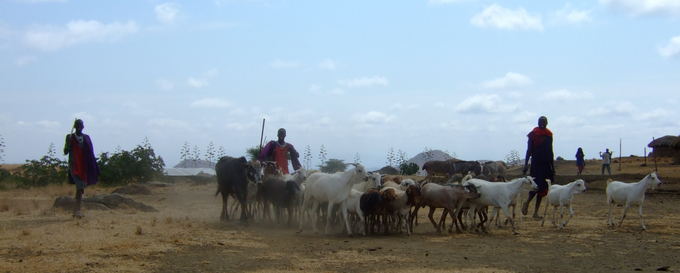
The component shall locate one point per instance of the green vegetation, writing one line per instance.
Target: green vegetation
(333, 165)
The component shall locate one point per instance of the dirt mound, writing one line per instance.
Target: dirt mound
(157, 184)
(133, 189)
(103, 202)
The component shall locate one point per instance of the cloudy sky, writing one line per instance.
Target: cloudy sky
(467, 76)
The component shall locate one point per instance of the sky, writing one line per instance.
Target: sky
(469, 77)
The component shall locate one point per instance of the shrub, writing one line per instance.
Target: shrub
(47, 170)
(333, 165)
(408, 168)
(123, 167)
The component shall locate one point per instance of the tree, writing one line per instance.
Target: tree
(210, 152)
(196, 155)
(47, 170)
(391, 157)
(401, 157)
(185, 151)
(2, 149)
(253, 152)
(322, 155)
(333, 165)
(357, 158)
(221, 153)
(307, 155)
(513, 159)
(408, 168)
(51, 150)
(140, 164)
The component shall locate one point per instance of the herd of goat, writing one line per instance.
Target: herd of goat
(368, 202)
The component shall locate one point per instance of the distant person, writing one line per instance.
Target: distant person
(82, 165)
(580, 160)
(606, 161)
(540, 150)
(279, 151)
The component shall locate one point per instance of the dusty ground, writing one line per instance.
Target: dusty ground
(186, 236)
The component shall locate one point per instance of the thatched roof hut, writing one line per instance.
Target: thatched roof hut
(666, 146)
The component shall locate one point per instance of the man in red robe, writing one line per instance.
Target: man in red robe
(540, 151)
(82, 164)
(279, 151)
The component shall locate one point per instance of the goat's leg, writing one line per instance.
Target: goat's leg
(625, 209)
(429, 215)
(414, 216)
(545, 212)
(343, 210)
(315, 216)
(571, 214)
(506, 211)
(329, 212)
(560, 226)
(642, 222)
(610, 222)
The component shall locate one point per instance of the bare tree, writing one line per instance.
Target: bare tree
(210, 152)
(357, 158)
(196, 155)
(220, 152)
(391, 157)
(323, 154)
(307, 155)
(185, 151)
(2, 149)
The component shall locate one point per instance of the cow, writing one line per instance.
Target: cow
(233, 175)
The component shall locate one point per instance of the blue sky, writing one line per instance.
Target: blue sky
(470, 77)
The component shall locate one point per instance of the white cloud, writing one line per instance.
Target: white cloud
(281, 64)
(167, 12)
(41, 1)
(48, 124)
(327, 64)
(495, 16)
(25, 60)
(511, 79)
(211, 103)
(168, 123)
(51, 38)
(564, 94)
(671, 49)
(490, 103)
(373, 118)
(366, 82)
(655, 114)
(614, 109)
(573, 16)
(165, 85)
(197, 82)
(645, 7)
(237, 126)
(203, 80)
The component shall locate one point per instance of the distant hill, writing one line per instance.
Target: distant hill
(195, 163)
(423, 157)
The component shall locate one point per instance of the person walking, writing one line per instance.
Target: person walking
(540, 151)
(279, 151)
(580, 160)
(606, 161)
(82, 165)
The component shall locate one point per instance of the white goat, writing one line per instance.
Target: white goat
(559, 196)
(499, 195)
(628, 194)
(373, 182)
(332, 189)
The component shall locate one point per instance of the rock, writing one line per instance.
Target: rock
(103, 202)
(157, 184)
(133, 189)
(663, 268)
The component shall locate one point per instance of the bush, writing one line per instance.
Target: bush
(140, 164)
(47, 170)
(559, 158)
(408, 168)
(333, 165)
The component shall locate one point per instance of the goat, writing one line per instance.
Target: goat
(628, 194)
(559, 196)
(399, 208)
(450, 197)
(333, 189)
(499, 195)
(373, 182)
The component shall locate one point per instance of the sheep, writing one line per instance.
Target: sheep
(560, 196)
(450, 197)
(399, 207)
(499, 195)
(628, 194)
(333, 189)
(373, 205)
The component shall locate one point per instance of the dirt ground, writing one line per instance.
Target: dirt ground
(186, 236)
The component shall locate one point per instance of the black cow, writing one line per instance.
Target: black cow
(233, 175)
